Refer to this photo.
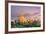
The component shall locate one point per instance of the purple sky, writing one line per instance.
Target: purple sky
(25, 10)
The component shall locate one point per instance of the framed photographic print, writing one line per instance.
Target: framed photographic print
(24, 16)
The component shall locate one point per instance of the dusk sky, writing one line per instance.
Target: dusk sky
(25, 10)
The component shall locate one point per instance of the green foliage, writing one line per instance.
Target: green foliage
(33, 24)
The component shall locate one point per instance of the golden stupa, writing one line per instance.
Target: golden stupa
(22, 20)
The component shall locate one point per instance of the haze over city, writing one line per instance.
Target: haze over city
(28, 11)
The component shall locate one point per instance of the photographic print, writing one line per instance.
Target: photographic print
(25, 17)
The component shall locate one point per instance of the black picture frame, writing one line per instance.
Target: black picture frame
(6, 16)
